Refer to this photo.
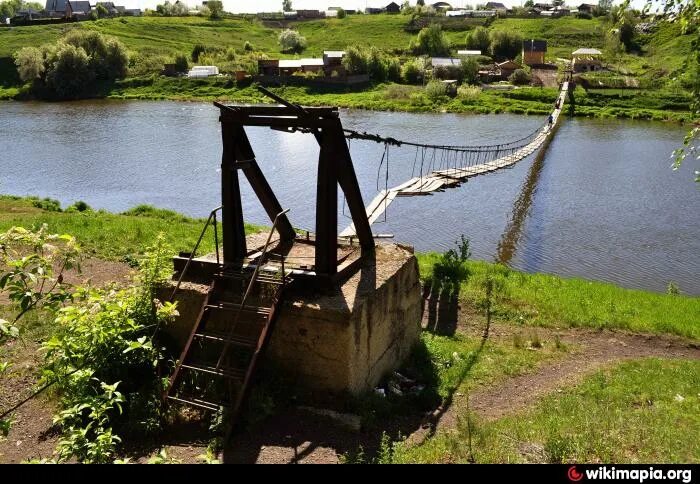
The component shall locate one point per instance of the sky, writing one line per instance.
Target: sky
(248, 6)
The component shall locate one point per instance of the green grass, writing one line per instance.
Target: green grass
(110, 236)
(552, 301)
(641, 411)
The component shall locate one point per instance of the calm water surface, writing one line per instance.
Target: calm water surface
(602, 204)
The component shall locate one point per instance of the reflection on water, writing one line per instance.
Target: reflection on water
(602, 204)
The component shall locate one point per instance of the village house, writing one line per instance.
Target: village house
(67, 8)
(586, 8)
(441, 6)
(309, 14)
(373, 11)
(586, 60)
(331, 64)
(533, 52)
(393, 7)
(497, 6)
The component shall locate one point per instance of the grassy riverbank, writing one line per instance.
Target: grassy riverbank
(525, 299)
(154, 41)
(532, 357)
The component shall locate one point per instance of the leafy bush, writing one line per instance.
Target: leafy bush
(505, 44)
(144, 210)
(79, 206)
(341, 13)
(181, 64)
(216, 9)
(435, 90)
(376, 66)
(393, 70)
(355, 60)
(469, 70)
(197, 51)
(103, 343)
(48, 204)
(519, 77)
(69, 68)
(431, 40)
(396, 91)
(248, 47)
(413, 72)
(468, 93)
(478, 39)
(291, 41)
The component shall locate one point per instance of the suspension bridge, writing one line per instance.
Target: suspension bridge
(455, 165)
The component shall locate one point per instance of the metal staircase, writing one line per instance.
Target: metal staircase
(231, 332)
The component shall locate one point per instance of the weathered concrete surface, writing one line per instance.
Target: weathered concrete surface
(347, 338)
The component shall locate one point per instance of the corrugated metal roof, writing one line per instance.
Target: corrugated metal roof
(334, 53)
(587, 51)
(468, 52)
(291, 63)
(445, 61)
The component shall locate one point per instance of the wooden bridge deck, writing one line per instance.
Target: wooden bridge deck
(441, 179)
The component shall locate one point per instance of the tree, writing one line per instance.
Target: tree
(70, 71)
(413, 72)
(420, 3)
(101, 10)
(529, 3)
(505, 44)
(479, 39)
(519, 77)
(181, 64)
(470, 70)
(431, 40)
(376, 66)
(216, 9)
(605, 5)
(286, 5)
(30, 63)
(355, 60)
(291, 41)
(341, 13)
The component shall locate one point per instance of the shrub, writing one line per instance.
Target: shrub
(413, 72)
(478, 39)
(469, 70)
(505, 45)
(198, 50)
(79, 206)
(181, 64)
(519, 77)
(396, 91)
(435, 90)
(376, 66)
(48, 204)
(248, 47)
(355, 61)
(69, 68)
(468, 93)
(431, 40)
(216, 9)
(105, 364)
(341, 13)
(291, 41)
(393, 70)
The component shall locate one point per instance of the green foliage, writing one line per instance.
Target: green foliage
(413, 72)
(177, 9)
(162, 457)
(435, 90)
(48, 204)
(505, 44)
(468, 93)
(291, 41)
(469, 71)
(248, 47)
(376, 65)
(393, 70)
(520, 77)
(479, 39)
(431, 41)
(341, 13)
(181, 63)
(286, 5)
(79, 206)
(69, 68)
(197, 51)
(216, 9)
(103, 341)
(355, 60)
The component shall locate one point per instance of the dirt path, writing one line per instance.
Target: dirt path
(596, 349)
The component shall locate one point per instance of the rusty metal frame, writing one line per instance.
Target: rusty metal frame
(335, 169)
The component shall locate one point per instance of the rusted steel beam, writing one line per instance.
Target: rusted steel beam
(272, 121)
(276, 110)
(327, 207)
(233, 229)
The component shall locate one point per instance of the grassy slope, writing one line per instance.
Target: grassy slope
(161, 38)
(106, 235)
(630, 413)
(531, 299)
(546, 300)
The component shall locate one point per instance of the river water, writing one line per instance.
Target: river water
(602, 204)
